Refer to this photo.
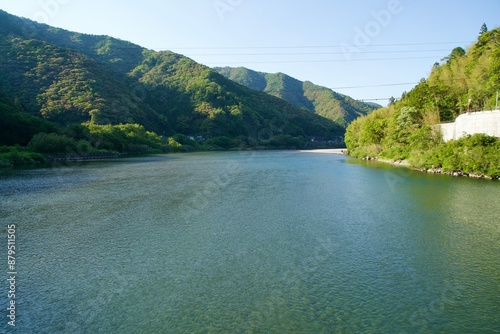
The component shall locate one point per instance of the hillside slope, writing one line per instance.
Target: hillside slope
(69, 78)
(406, 130)
(321, 100)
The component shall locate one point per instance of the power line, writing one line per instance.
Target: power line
(379, 99)
(309, 53)
(335, 88)
(306, 46)
(380, 85)
(363, 86)
(318, 61)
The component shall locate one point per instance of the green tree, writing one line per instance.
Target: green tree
(52, 143)
(455, 53)
(484, 29)
(392, 100)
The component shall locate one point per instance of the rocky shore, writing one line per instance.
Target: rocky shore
(455, 173)
(83, 157)
(405, 163)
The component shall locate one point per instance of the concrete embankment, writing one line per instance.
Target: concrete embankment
(487, 122)
(327, 151)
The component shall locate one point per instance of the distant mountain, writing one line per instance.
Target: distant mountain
(373, 104)
(68, 78)
(321, 100)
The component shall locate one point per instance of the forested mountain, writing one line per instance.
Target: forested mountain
(406, 130)
(51, 77)
(321, 100)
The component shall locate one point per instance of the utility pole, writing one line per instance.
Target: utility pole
(496, 105)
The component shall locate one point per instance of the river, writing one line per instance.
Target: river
(250, 242)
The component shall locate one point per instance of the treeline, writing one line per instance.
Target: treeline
(406, 130)
(89, 140)
(81, 142)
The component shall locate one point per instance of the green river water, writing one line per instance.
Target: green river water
(249, 242)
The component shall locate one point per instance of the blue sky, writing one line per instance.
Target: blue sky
(366, 49)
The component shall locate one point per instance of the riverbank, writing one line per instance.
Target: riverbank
(456, 173)
(404, 163)
(15, 157)
(78, 157)
(401, 163)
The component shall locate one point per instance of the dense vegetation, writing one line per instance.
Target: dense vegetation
(406, 129)
(321, 100)
(92, 93)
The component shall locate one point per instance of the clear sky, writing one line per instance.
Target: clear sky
(368, 49)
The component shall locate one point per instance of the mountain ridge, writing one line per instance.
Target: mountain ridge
(323, 101)
(68, 78)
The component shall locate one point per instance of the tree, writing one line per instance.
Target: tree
(455, 53)
(484, 29)
(52, 143)
(408, 119)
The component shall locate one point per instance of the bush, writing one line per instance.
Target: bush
(172, 146)
(16, 156)
(220, 142)
(472, 154)
(132, 138)
(52, 143)
(185, 140)
(141, 149)
(4, 163)
(286, 142)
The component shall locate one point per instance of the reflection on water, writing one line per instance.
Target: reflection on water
(252, 242)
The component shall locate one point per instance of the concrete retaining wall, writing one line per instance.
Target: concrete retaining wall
(487, 122)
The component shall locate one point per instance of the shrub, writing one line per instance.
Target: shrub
(52, 143)
(16, 157)
(220, 142)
